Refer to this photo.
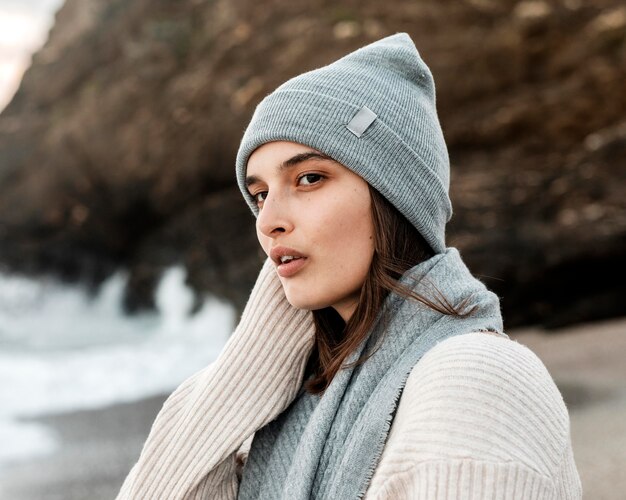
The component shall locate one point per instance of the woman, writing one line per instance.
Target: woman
(369, 362)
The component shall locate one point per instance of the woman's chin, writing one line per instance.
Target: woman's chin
(304, 303)
(301, 305)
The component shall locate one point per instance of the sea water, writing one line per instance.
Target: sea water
(62, 350)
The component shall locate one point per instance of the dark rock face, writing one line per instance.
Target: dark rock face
(118, 149)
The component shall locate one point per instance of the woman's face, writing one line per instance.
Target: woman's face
(317, 210)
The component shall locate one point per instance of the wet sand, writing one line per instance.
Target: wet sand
(587, 362)
(98, 448)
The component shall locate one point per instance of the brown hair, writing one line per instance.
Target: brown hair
(398, 246)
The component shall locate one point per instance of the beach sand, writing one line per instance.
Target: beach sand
(98, 447)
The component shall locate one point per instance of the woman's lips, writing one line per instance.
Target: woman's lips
(290, 268)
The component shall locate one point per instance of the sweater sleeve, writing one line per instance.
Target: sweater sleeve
(480, 418)
(193, 449)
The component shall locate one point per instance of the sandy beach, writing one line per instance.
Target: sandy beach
(98, 447)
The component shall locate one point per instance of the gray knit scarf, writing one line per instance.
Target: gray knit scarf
(328, 447)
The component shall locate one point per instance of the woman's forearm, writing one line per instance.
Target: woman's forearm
(205, 421)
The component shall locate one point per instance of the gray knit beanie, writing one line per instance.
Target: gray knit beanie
(374, 112)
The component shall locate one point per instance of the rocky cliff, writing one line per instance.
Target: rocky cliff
(118, 148)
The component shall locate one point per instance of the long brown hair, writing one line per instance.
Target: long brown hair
(398, 246)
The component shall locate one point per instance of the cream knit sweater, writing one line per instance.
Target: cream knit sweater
(480, 417)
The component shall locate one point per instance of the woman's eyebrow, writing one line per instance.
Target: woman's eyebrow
(292, 162)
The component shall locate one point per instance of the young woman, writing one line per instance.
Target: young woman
(369, 362)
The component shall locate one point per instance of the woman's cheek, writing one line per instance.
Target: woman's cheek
(263, 241)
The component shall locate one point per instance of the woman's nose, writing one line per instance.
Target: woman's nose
(274, 216)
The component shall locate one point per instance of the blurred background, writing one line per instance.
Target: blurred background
(127, 252)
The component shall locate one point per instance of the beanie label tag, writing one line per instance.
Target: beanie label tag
(361, 121)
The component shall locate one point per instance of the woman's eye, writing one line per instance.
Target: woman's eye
(257, 197)
(309, 179)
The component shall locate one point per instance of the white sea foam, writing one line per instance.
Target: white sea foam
(24, 440)
(61, 350)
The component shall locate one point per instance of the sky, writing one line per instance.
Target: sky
(24, 26)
